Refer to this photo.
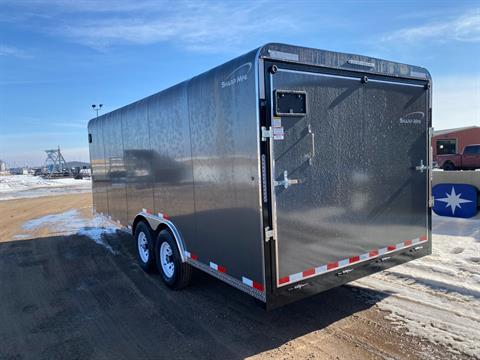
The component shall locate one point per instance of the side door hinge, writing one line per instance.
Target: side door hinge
(269, 234)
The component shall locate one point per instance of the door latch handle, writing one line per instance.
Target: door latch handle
(286, 182)
(313, 140)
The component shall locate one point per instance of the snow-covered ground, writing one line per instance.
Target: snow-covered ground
(28, 186)
(72, 222)
(438, 297)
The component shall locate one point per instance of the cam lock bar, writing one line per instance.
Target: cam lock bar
(286, 182)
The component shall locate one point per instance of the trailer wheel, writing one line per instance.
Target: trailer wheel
(145, 247)
(448, 166)
(175, 273)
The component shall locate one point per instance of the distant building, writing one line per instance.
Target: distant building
(3, 166)
(452, 141)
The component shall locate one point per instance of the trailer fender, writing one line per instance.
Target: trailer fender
(155, 221)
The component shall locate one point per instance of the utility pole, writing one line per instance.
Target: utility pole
(97, 108)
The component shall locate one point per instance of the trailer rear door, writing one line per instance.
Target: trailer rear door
(345, 185)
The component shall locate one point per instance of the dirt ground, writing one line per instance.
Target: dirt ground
(66, 297)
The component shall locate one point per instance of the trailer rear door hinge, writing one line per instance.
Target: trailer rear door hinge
(276, 133)
(269, 233)
(266, 133)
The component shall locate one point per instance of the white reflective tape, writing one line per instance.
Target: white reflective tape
(213, 266)
(247, 281)
(187, 254)
(416, 241)
(344, 262)
(400, 245)
(364, 256)
(144, 210)
(382, 251)
(296, 277)
(321, 269)
(129, 227)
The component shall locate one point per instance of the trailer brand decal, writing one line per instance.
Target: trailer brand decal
(237, 76)
(336, 265)
(413, 118)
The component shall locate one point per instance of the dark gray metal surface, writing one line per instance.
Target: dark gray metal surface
(343, 61)
(99, 171)
(360, 190)
(225, 150)
(192, 152)
(115, 169)
(137, 157)
(172, 158)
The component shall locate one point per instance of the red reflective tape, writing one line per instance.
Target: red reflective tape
(354, 259)
(166, 217)
(391, 247)
(258, 286)
(407, 242)
(309, 272)
(222, 269)
(284, 280)
(373, 253)
(149, 211)
(423, 238)
(332, 265)
(193, 256)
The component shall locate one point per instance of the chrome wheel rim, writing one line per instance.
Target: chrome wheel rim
(166, 260)
(142, 243)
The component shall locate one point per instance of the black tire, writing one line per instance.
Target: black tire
(448, 166)
(182, 272)
(147, 264)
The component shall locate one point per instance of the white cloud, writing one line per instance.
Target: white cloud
(13, 51)
(200, 25)
(464, 28)
(456, 101)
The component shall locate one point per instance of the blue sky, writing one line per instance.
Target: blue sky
(58, 57)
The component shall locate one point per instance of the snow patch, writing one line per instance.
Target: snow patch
(72, 222)
(438, 297)
(29, 186)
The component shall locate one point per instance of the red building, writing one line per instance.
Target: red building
(453, 141)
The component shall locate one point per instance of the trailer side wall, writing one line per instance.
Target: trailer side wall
(190, 152)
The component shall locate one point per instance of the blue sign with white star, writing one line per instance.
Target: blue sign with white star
(455, 200)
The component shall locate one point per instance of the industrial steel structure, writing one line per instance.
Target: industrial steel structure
(284, 172)
(55, 164)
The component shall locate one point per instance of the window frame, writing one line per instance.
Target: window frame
(438, 143)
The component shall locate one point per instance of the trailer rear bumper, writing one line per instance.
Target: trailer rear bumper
(313, 285)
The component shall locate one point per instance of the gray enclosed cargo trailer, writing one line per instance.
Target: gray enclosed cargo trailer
(284, 172)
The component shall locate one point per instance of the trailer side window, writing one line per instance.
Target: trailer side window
(446, 146)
